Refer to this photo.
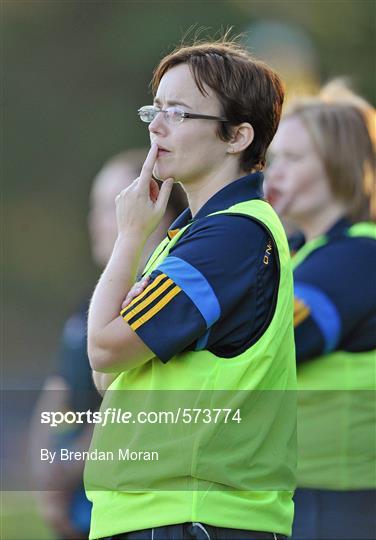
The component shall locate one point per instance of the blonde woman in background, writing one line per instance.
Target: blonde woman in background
(321, 178)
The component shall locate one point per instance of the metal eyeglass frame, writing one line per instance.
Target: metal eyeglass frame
(183, 114)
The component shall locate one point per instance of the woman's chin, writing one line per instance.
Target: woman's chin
(161, 173)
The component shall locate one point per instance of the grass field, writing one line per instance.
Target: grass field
(19, 518)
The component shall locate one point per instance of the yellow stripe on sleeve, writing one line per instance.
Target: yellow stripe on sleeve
(149, 314)
(148, 300)
(301, 312)
(141, 295)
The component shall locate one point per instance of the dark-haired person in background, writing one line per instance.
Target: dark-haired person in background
(216, 314)
(70, 386)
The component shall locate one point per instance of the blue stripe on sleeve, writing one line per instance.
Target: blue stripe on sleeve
(323, 312)
(202, 341)
(195, 285)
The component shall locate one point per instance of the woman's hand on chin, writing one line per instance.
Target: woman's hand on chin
(140, 207)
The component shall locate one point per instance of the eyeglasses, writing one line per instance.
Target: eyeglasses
(173, 115)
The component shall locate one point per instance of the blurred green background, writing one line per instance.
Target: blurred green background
(74, 74)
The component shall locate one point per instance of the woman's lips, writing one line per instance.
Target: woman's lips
(162, 152)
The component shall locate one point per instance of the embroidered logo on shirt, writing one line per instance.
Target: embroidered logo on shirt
(268, 252)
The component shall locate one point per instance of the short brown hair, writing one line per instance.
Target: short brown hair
(248, 90)
(342, 141)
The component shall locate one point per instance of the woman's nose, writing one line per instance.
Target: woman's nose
(157, 125)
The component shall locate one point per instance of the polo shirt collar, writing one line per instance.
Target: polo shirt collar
(244, 189)
(339, 227)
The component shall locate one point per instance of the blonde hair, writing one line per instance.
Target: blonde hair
(340, 135)
(339, 91)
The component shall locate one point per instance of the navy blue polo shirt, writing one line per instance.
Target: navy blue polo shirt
(215, 289)
(335, 296)
(73, 363)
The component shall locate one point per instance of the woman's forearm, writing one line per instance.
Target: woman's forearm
(112, 346)
(113, 285)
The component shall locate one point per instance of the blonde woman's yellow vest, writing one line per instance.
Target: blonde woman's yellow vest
(337, 409)
(236, 476)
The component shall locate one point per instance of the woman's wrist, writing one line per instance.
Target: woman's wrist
(131, 236)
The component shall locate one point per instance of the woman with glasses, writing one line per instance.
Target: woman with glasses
(207, 337)
(321, 179)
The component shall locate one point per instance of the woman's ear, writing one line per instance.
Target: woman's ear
(242, 137)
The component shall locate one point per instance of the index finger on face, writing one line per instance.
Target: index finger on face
(148, 166)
